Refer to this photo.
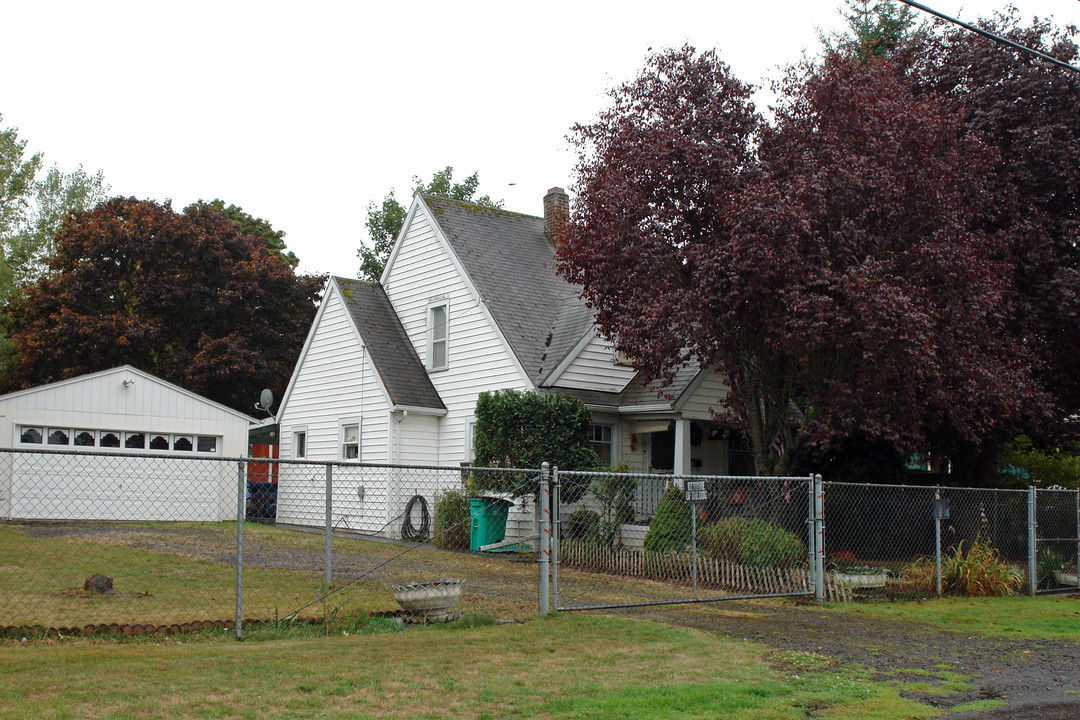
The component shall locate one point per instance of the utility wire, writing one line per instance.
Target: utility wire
(992, 36)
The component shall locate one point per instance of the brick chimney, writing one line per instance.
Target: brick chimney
(556, 211)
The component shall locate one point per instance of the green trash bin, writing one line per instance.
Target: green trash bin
(488, 516)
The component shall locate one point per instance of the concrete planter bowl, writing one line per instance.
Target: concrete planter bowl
(428, 601)
(1065, 578)
(861, 579)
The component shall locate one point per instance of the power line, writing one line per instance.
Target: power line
(992, 36)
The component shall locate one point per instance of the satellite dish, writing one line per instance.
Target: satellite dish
(266, 399)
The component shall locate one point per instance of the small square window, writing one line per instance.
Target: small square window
(206, 444)
(135, 441)
(85, 438)
(59, 437)
(182, 443)
(159, 442)
(110, 439)
(31, 436)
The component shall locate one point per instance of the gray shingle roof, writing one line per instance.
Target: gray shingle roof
(511, 262)
(392, 354)
(638, 392)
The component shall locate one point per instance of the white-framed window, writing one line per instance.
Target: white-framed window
(438, 335)
(602, 444)
(350, 439)
(31, 435)
(299, 443)
(82, 439)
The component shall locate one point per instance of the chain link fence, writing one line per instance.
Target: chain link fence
(626, 540)
(926, 540)
(131, 544)
(93, 541)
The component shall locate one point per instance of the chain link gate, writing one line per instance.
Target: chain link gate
(626, 540)
(1055, 539)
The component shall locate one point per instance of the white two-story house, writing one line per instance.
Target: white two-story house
(470, 301)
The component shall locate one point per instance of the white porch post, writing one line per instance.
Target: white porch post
(682, 447)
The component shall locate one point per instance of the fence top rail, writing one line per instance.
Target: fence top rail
(127, 455)
(668, 476)
(948, 488)
(276, 461)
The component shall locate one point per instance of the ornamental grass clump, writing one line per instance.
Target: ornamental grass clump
(975, 569)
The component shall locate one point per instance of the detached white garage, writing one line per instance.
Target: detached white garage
(119, 444)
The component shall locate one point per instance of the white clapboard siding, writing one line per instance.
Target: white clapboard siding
(336, 382)
(593, 369)
(88, 487)
(706, 398)
(423, 272)
(83, 483)
(101, 401)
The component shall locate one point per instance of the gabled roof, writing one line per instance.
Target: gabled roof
(511, 263)
(395, 360)
(653, 394)
(129, 370)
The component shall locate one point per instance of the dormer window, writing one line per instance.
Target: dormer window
(438, 336)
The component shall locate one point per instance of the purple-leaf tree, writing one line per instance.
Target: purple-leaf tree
(825, 263)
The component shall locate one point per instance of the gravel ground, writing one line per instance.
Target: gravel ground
(1038, 679)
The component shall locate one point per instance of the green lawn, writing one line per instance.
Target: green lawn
(567, 666)
(1043, 616)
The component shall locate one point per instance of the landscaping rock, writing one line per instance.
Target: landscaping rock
(100, 584)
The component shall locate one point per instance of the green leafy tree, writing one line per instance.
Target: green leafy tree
(1020, 464)
(32, 207)
(185, 296)
(876, 28)
(384, 221)
(255, 227)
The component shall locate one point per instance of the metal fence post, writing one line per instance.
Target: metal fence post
(693, 545)
(329, 551)
(1032, 539)
(556, 527)
(811, 531)
(544, 499)
(937, 538)
(819, 534)
(241, 511)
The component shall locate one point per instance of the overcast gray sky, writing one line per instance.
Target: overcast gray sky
(303, 113)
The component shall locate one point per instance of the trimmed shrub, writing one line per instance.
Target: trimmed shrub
(452, 525)
(670, 526)
(751, 541)
(524, 429)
